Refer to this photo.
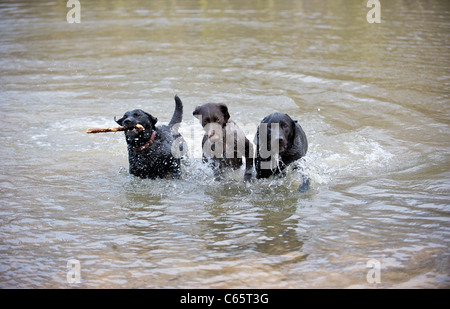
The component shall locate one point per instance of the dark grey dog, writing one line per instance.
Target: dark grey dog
(279, 141)
(224, 143)
(154, 152)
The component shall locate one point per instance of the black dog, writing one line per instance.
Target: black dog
(279, 142)
(153, 152)
(224, 142)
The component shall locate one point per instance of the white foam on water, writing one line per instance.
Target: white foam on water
(344, 155)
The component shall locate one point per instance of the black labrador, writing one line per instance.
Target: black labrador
(224, 143)
(154, 152)
(279, 142)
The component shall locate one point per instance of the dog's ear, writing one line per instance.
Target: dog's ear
(224, 110)
(120, 121)
(197, 111)
(153, 120)
(300, 141)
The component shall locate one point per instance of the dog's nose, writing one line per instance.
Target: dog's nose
(127, 121)
(279, 138)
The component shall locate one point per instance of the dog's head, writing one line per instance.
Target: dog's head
(131, 119)
(281, 129)
(213, 117)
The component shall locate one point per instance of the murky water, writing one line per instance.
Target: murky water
(373, 100)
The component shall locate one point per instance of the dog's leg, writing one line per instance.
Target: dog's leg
(215, 166)
(249, 154)
(305, 185)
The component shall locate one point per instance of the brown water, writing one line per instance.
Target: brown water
(372, 98)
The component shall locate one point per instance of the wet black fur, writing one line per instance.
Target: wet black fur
(156, 161)
(292, 144)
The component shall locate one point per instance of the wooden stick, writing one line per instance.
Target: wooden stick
(115, 129)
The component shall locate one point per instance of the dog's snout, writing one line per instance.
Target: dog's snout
(214, 136)
(213, 131)
(128, 122)
(276, 135)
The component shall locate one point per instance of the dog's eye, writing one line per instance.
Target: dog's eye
(136, 115)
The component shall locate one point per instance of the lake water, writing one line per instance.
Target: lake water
(373, 100)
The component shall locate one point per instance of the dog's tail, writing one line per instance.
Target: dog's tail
(178, 113)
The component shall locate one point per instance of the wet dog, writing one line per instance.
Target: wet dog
(155, 151)
(224, 143)
(279, 141)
